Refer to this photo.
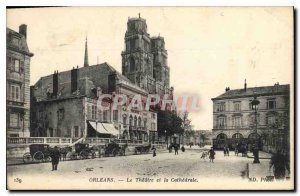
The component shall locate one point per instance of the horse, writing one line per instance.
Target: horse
(63, 152)
(241, 149)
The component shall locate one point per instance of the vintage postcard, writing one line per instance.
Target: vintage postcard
(150, 98)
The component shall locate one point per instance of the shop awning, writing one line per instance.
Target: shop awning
(110, 128)
(104, 128)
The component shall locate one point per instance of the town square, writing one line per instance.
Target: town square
(142, 98)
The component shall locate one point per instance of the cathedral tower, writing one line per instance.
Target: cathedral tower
(161, 72)
(137, 58)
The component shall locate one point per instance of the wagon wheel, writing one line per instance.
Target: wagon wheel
(38, 156)
(83, 154)
(27, 157)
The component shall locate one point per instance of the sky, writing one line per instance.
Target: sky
(209, 48)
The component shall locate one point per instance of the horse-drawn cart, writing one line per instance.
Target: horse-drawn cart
(37, 153)
(143, 149)
(114, 149)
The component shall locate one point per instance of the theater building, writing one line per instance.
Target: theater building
(234, 117)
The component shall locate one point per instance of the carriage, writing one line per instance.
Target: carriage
(114, 149)
(84, 151)
(37, 153)
(144, 149)
(241, 148)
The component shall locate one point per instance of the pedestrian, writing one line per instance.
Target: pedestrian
(211, 153)
(224, 150)
(176, 149)
(182, 149)
(55, 156)
(154, 151)
(280, 164)
(227, 151)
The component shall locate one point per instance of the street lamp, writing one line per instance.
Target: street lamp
(166, 139)
(254, 104)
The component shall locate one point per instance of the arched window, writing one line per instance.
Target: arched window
(221, 136)
(132, 64)
(237, 136)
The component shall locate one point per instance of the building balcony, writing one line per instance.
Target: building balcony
(17, 104)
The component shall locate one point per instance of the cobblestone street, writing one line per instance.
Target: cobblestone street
(109, 171)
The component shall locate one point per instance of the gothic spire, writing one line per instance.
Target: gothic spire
(86, 58)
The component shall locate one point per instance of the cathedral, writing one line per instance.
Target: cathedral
(144, 59)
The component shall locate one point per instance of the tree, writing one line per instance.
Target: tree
(170, 122)
(186, 122)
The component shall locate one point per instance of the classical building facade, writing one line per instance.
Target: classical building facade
(234, 117)
(17, 83)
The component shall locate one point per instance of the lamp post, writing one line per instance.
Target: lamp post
(254, 104)
(166, 139)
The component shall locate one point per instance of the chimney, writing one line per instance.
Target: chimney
(23, 30)
(55, 83)
(74, 77)
(245, 85)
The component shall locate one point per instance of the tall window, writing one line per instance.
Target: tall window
(237, 121)
(221, 122)
(271, 104)
(140, 122)
(221, 107)
(94, 112)
(153, 126)
(115, 115)
(271, 120)
(135, 121)
(132, 44)
(14, 120)
(99, 115)
(15, 92)
(132, 64)
(15, 64)
(105, 115)
(60, 114)
(124, 120)
(237, 106)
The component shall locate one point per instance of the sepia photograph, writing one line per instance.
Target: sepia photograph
(150, 98)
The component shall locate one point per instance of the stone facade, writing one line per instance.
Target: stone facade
(63, 105)
(234, 117)
(17, 83)
(144, 60)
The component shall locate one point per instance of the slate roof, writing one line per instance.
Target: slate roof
(21, 47)
(259, 91)
(88, 77)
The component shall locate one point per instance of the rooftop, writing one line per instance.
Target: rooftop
(259, 91)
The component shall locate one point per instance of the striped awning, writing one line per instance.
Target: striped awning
(104, 128)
